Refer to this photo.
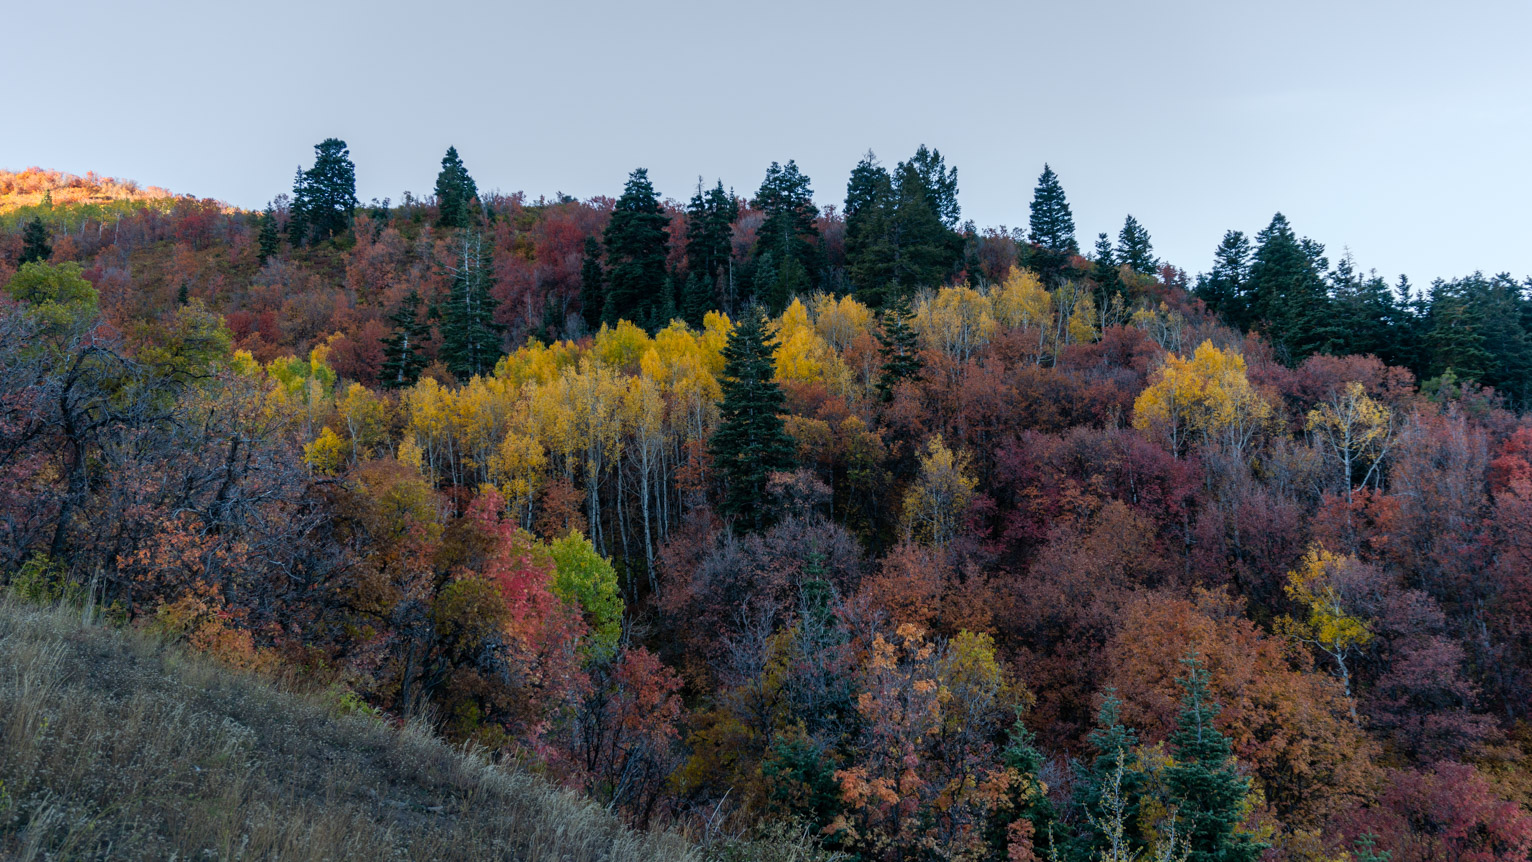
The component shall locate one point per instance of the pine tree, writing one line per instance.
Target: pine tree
(297, 212)
(869, 206)
(1134, 248)
(455, 190)
(750, 443)
(1224, 288)
(35, 243)
(402, 359)
(592, 285)
(470, 335)
(709, 247)
(1052, 226)
(926, 248)
(1113, 744)
(1105, 272)
(267, 241)
(329, 189)
(788, 233)
(1287, 293)
(1204, 783)
(1027, 799)
(899, 346)
(636, 243)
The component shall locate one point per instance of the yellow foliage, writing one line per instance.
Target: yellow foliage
(328, 454)
(1021, 300)
(956, 321)
(839, 321)
(935, 505)
(1206, 397)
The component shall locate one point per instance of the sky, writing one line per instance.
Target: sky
(1401, 130)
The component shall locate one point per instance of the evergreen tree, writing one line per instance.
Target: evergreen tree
(455, 190)
(36, 246)
(1113, 745)
(402, 359)
(1134, 249)
(1204, 783)
(329, 189)
(1028, 799)
(869, 204)
(297, 212)
(592, 285)
(1287, 293)
(470, 335)
(750, 443)
(788, 233)
(1052, 226)
(1224, 288)
(636, 243)
(1105, 273)
(709, 249)
(899, 347)
(267, 241)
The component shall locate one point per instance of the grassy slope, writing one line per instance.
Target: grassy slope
(114, 746)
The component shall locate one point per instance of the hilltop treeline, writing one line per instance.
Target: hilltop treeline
(938, 542)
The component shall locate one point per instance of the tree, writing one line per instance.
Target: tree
(935, 505)
(1134, 249)
(1327, 625)
(899, 346)
(1108, 793)
(750, 442)
(1287, 295)
(586, 580)
(636, 248)
(787, 238)
(1207, 397)
(1204, 783)
(900, 232)
(1224, 288)
(455, 190)
(1052, 225)
(35, 244)
(869, 199)
(267, 241)
(324, 196)
(1105, 273)
(1356, 430)
(470, 335)
(402, 357)
(592, 288)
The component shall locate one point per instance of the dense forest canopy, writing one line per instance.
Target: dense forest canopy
(934, 541)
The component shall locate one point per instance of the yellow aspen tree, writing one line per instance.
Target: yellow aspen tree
(1206, 398)
(934, 506)
(956, 321)
(1354, 430)
(1326, 625)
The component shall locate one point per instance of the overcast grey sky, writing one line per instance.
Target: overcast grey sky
(1400, 129)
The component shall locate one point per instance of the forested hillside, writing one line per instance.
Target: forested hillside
(739, 514)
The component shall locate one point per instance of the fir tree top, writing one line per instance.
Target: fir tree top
(1052, 223)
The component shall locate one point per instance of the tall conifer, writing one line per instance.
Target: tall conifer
(750, 442)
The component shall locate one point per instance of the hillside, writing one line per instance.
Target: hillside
(117, 746)
(30, 187)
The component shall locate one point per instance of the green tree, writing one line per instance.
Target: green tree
(455, 190)
(750, 443)
(1027, 799)
(1105, 273)
(324, 196)
(1113, 771)
(470, 335)
(58, 297)
(787, 233)
(402, 359)
(636, 241)
(592, 285)
(1224, 288)
(585, 579)
(1134, 249)
(267, 241)
(1204, 784)
(1287, 294)
(899, 346)
(1052, 226)
(709, 248)
(35, 244)
(900, 226)
(869, 205)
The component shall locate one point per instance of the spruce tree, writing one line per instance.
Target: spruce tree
(1134, 249)
(750, 443)
(455, 190)
(1113, 744)
(1027, 799)
(899, 346)
(267, 241)
(470, 335)
(709, 247)
(1105, 273)
(592, 285)
(402, 359)
(297, 211)
(329, 189)
(869, 209)
(636, 243)
(35, 244)
(926, 248)
(1204, 783)
(1288, 295)
(1224, 288)
(788, 233)
(1052, 226)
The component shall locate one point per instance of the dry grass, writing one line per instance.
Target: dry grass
(113, 746)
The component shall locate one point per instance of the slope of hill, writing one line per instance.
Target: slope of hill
(113, 745)
(30, 187)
